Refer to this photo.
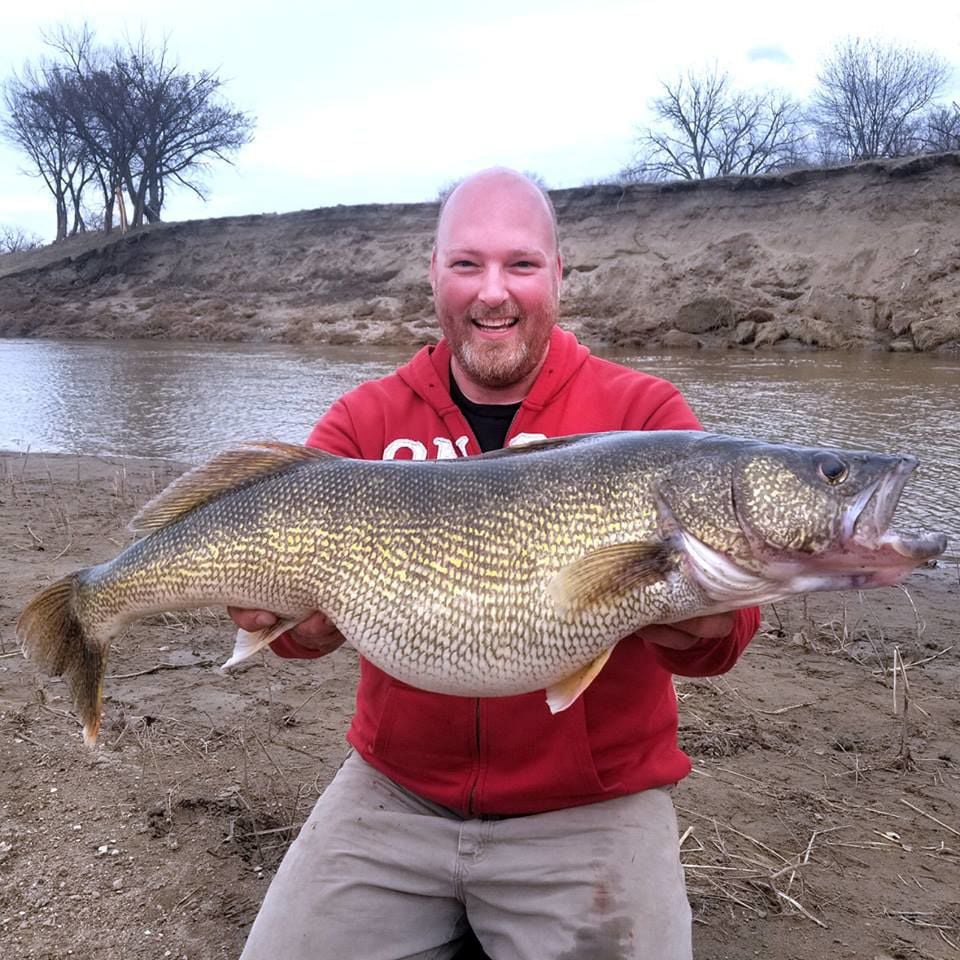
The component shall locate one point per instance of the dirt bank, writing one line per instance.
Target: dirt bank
(858, 257)
(821, 821)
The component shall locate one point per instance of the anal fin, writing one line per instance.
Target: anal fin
(249, 642)
(561, 695)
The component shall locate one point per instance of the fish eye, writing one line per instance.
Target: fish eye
(832, 468)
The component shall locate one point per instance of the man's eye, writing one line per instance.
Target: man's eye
(463, 263)
(525, 264)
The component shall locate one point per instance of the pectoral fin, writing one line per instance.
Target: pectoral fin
(248, 643)
(561, 695)
(608, 573)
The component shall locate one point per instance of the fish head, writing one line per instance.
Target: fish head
(783, 519)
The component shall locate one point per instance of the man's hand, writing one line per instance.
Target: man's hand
(688, 633)
(315, 633)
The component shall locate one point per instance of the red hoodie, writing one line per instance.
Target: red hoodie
(510, 755)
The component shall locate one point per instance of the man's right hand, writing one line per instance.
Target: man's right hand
(317, 632)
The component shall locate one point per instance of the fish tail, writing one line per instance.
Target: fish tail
(55, 638)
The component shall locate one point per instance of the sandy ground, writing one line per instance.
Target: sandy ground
(822, 819)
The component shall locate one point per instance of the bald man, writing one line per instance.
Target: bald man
(453, 817)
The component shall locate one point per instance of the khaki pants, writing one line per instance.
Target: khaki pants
(376, 873)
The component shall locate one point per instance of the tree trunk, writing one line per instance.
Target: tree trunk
(61, 218)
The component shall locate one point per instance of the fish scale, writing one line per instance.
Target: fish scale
(494, 575)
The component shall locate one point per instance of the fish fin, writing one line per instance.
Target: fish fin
(536, 446)
(226, 471)
(610, 572)
(563, 694)
(54, 638)
(249, 642)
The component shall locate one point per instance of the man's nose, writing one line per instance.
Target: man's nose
(493, 290)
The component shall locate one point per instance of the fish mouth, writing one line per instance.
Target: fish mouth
(866, 524)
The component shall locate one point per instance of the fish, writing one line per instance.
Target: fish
(499, 574)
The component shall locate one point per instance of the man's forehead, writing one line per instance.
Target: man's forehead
(514, 209)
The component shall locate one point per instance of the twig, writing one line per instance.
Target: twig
(263, 833)
(930, 816)
(920, 623)
(939, 653)
(64, 550)
(799, 906)
(690, 813)
(159, 666)
(779, 710)
(184, 899)
(266, 753)
(288, 717)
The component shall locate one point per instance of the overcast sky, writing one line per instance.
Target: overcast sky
(387, 101)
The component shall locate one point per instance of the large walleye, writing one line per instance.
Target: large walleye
(492, 575)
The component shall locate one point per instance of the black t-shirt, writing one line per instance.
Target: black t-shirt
(489, 421)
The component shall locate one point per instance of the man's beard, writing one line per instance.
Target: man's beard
(494, 364)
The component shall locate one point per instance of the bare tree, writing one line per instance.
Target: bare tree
(128, 118)
(872, 97)
(181, 127)
(707, 129)
(37, 123)
(940, 130)
(16, 240)
(97, 108)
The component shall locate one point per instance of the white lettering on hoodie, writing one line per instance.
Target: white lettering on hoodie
(445, 446)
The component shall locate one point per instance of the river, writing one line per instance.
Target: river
(186, 400)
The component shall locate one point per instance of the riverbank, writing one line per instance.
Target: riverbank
(851, 258)
(820, 821)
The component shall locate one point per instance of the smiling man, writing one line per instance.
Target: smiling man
(548, 835)
(496, 273)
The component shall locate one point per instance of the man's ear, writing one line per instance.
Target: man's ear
(559, 271)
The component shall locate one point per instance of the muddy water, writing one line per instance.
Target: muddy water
(186, 400)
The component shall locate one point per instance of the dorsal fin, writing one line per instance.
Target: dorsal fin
(226, 471)
(536, 446)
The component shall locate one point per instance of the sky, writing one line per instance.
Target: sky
(387, 102)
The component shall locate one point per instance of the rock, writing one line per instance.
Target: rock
(387, 309)
(745, 331)
(901, 321)
(903, 345)
(805, 331)
(760, 315)
(679, 340)
(706, 313)
(771, 333)
(935, 332)
(851, 316)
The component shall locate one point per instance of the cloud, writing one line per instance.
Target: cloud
(773, 54)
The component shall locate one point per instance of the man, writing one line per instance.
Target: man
(555, 836)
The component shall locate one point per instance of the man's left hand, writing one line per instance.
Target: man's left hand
(688, 633)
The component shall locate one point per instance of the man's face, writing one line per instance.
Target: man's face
(496, 282)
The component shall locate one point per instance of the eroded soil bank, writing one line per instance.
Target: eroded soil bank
(862, 257)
